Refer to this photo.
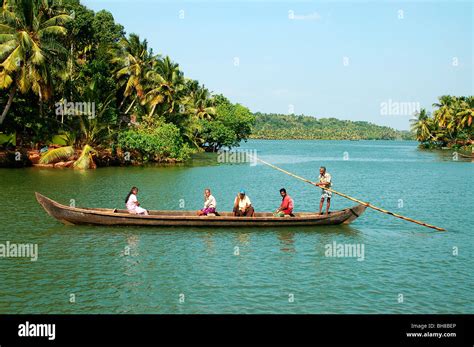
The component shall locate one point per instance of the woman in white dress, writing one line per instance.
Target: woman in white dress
(133, 206)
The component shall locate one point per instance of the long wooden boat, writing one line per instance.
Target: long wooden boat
(103, 216)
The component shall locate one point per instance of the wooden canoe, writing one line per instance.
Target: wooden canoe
(103, 216)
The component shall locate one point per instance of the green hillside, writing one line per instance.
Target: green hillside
(279, 126)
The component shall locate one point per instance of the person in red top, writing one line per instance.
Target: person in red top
(286, 207)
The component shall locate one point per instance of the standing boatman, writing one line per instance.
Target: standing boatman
(324, 182)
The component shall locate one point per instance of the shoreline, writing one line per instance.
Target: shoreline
(309, 139)
(28, 158)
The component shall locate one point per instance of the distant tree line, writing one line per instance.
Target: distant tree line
(280, 126)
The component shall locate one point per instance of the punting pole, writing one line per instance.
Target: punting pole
(351, 198)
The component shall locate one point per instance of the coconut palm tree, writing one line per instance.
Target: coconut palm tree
(466, 113)
(451, 124)
(169, 84)
(156, 88)
(92, 132)
(134, 60)
(422, 126)
(200, 102)
(199, 108)
(444, 113)
(94, 129)
(31, 51)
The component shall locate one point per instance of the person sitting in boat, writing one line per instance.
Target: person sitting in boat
(133, 206)
(286, 207)
(324, 182)
(210, 204)
(243, 205)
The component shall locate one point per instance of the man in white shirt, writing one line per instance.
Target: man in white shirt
(243, 205)
(210, 204)
(324, 182)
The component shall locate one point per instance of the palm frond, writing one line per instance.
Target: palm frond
(6, 29)
(64, 139)
(57, 154)
(37, 56)
(85, 160)
(7, 47)
(53, 30)
(5, 80)
(7, 37)
(11, 63)
(55, 21)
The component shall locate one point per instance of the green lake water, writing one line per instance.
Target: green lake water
(281, 270)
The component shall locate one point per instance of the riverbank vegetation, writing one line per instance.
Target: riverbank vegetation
(450, 126)
(279, 126)
(76, 90)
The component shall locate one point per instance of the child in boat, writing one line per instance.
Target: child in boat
(210, 204)
(287, 204)
(133, 206)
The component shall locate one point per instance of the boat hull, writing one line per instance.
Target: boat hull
(77, 216)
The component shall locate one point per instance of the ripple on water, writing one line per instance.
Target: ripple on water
(272, 265)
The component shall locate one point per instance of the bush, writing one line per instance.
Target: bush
(232, 124)
(155, 143)
(217, 135)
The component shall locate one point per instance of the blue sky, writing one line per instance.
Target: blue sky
(343, 59)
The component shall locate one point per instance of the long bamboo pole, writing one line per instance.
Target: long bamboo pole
(351, 198)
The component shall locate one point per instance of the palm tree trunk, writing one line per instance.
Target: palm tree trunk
(40, 103)
(152, 110)
(122, 103)
(131, 105)
(71, 67)
(9, 104)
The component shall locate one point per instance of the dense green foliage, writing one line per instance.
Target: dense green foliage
(57, 56)
(155, 142)
(279, 126)
(451, 124)
(232, 124)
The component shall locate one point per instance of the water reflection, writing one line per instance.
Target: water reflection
(130, 254)
(450, 155)
(243, 238)
(58, 228)
(209, 242)
(287, 241)
(132, 245)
